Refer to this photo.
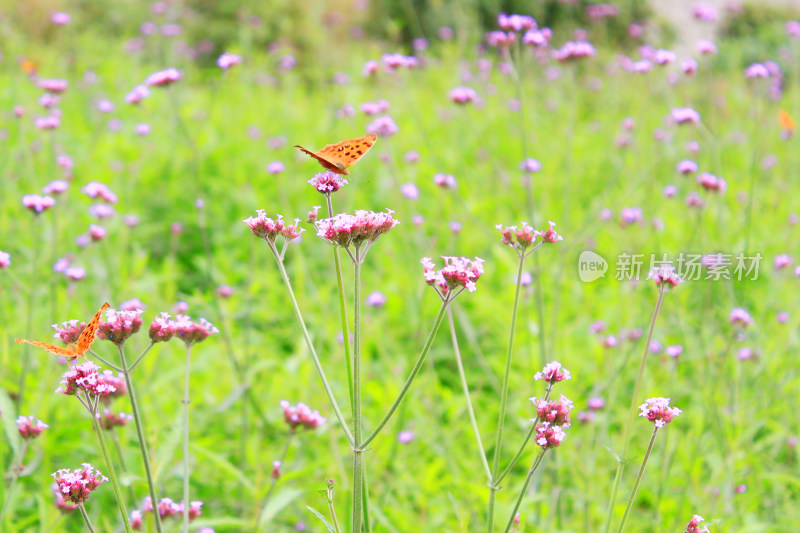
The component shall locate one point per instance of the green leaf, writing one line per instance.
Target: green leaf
(275, 504)
(328, 527)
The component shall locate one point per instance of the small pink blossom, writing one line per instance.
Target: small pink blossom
(38, 204)
(694, 200)
(710, 182)
(552, 373)
(85, 377)
(29, 427)
(782, 261)
(77, 485)
(674, 350)
(55, 187)
(630, 215)
(694, 525)
(109, 419)
(549, 436)
(445, 181)
(687, 166)
(704, 11)
(574, 50)
(383, 126)
(405, 436)
(756, 70)
(376, 299)
(60, 19)
(95, 189)
(684, 115)
(162, 328)
(457, 272)
(554, 412)
(228, 60)
(301, 415)
(193, 332)
(739, 316)
(52, 85)
(595, 404)
(327, 182)
(118, 326)
(706, 47)
(658, 411)
(362, 227)
(266, 228)
(410, 191)
(530, 165)
(163, 78)
(665, 275)
(137, 94)
(463, 95)
(276, 167)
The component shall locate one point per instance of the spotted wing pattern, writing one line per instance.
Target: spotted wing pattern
(70, 354)
(89, 332)
(338, 157)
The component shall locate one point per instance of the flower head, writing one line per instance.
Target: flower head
(62, 504)
(694, 525)
(228, 60)
(445, 181)
(30, 427)
(741, 317)
(518, 237)
(5, 259)
(685, 115)
(574, 50)
(463, 95)
(85, 377)
(383, 126)
(163, 77)
(549, 435)
(38, 204)
(76, 485)
(362, 227)
(658, 411)
(552, 373)
(665, 275)
(457, 272)
(162, 328)
(327, 182)
(109, 419)
(137, 94)
(193, 332)
(118, 326)
(554, 412)
(95, 189)
(301, 415)
(266, 228)
(710, 182)
(55, 187)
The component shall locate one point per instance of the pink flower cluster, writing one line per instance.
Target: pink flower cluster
(457, 272)
(392, 62)
(52, 85)
(75, 486)
(694, 525)
(574, 50)
(740, 317)
(5, 259)
(665, 275)
(69, 332)
(85, 377)
(118, 326)
(162, 328)
(362, 227)
(383, 126)
(38, 204)
(109, 419)
(163, 77)
(29, 427)
(518, 237)
(684, 115)
(445, 181)
(137, 94)
(228, 60)
(167, 508)
(301, 415)
(601, 11)
(549, 435)
(553, 412)
(463, 95)
(327, 182)
(710, 182)
(95, 189)
(266, 228)
(658, 411)
(553, 373)
(193, 332)
(62, 505)
(516, 22)
(375, 108)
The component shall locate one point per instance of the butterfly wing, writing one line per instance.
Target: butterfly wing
(88, 333)
(785, 120)
(338, 157)
(50, 348)
(330, 165)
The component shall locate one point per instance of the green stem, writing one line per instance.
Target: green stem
(112, 474)
(414, 371)
(186, 473)
(503, 399)
(533, 469)
(15, 471)
(632, 414)
(138, 359)
(86, 518)
(465, 387)
(342, 310)
(517, 457)
(638, 480)
(26, 361)
(309, 343)
(358, 463)
(140, 434)
(274, 482)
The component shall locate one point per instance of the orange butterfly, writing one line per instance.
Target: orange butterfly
(75, 350)
(338, 157)
(785, 120)
(28, 66)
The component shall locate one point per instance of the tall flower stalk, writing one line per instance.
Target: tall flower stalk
(523, 239)
(664, 278)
